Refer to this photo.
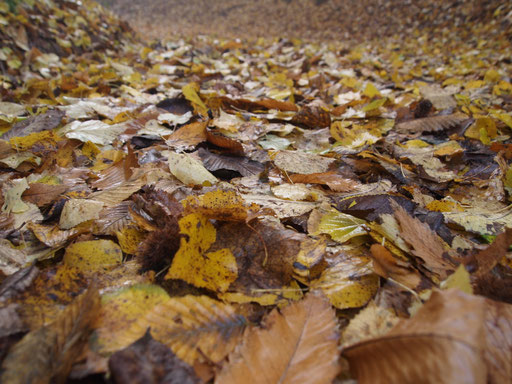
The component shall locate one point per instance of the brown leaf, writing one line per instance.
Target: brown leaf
(336, 182)
(482, 262)
(431, 124)
(10, 321)
(454, 338)
(297, 346)
(387, 266)
(51, 350)
(188, 136)
(149, 361)
(230, 145)
(18, 282)
(38, 123)
(312, 117)
(426, 244)
(258, 105)
(240, 165)
(42, 194)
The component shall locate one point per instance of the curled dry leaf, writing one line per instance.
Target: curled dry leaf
(454, 338)
(298, 345)
(387, 266)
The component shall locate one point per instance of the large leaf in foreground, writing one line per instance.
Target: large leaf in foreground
(50, 351)
(454, 338)
(297, 346)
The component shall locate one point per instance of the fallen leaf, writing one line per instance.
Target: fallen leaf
(348, 282)
(149, 361)
(214, 270)
(188, 170)
(93, 256)
(52, 349)
(454, 337)
(298, 345)
(425, 244)
(431, 124)
(194, 327)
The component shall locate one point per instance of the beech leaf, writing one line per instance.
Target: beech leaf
(298, 345)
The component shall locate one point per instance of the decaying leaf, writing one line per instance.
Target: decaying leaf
(298, 345)
(149, 361)
(52, 349)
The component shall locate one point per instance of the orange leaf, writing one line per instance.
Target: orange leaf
(297, 346)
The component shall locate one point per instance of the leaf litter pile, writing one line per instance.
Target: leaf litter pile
(256, 211)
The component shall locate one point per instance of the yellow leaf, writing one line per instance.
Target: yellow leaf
(50, 291)
(265, 297)
(90, 150)
(349, 82)
(448, 148)
(460, 279)
(416, 144)
(371, 91)
(220, 205)
(194, 327)
(474, 84)
(129, 239)
(375, 104)
(341, 226)
(121, 309)
(190, 92)
(194, 264)
(491, 76)
(26, 142)
(506, 118)
(444, 206)
(93, 256)
(349, 283)
(106, 159)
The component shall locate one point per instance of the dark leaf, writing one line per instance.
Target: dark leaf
(148, 361)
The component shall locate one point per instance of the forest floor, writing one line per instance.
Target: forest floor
(256, 192)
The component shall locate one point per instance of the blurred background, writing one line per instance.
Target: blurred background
(310, 19)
